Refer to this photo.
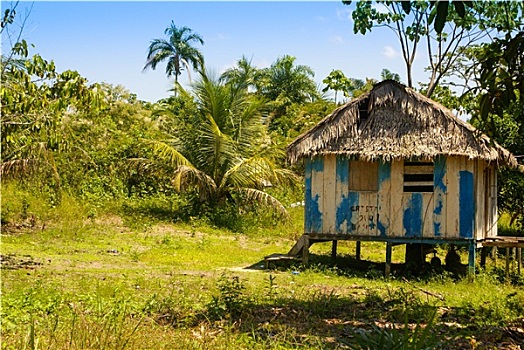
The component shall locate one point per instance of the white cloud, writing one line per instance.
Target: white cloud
(219, 37)
(337, 39)
(322, 19)
(344, 14)
(389, 52)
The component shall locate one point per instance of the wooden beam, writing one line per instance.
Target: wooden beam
(357, 253)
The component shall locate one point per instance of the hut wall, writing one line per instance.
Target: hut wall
(368, 199)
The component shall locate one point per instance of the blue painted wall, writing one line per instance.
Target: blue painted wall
(412, 219)
(439, 173)
(343, 207)
(466, 204)
(384, 177)
(313, 216)
(410, 213)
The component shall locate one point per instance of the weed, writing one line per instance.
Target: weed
(231, 299)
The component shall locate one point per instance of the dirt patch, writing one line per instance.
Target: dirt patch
(14, 262)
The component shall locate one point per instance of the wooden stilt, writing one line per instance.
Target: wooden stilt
(494, 254)
(357, 253)
(387, 272)
(519, 259)
(334, 250)
(507, 263)
(483, 255)
(471, 260)
(305, 251)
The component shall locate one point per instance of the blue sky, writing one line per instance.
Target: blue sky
(108, 41)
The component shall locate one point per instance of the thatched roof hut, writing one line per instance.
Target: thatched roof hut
(393, 122)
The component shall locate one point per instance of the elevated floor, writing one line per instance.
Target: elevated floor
(300, 251)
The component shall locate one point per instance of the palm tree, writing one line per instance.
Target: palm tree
(177, 51)
(230, 155)
(287, 82)
(243, 75)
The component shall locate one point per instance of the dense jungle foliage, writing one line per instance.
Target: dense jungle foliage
(220, 142)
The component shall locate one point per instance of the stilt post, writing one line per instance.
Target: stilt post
(471, 260)
(305, 251)
(357, 253)
(483, 256)
(507, 263)
(519, 259)
(334, 250)
(387, 272)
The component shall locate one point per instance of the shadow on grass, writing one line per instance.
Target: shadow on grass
(347, 265)
(327, 320)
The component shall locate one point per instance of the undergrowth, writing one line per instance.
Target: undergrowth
(85, 276)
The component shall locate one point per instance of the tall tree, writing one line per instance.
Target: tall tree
(243, 75)
(177, 50)
(228, 155)
(284, 84)
(442, 30)
(337, 81)
(287, 82)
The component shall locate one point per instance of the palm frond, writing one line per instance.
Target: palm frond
(167, 153)
(185, 176)
(258, 196)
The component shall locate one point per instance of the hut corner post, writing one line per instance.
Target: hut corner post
(471, 259)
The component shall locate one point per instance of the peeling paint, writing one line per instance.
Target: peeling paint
(412, 218)
(466, 204)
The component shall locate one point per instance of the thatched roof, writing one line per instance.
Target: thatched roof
(393, 121)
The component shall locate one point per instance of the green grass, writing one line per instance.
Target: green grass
(81, 276)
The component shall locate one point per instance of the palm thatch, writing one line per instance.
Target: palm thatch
(393, 121)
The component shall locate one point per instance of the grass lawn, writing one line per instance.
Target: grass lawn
(74, 280)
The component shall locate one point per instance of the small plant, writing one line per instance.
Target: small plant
(231, 300)
(271, 286)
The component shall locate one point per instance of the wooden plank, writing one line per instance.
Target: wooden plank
(418, 183)
(480, 201)
(440, 189)
(353, 214)
(384, 198)
(427, 215)
(412, 214)
(317, 194)
(367, 214)
(329, 205)
(308, 219)
(418, 169)
(395, 211)
(452, 199)
(341, 195)
(491, 210)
